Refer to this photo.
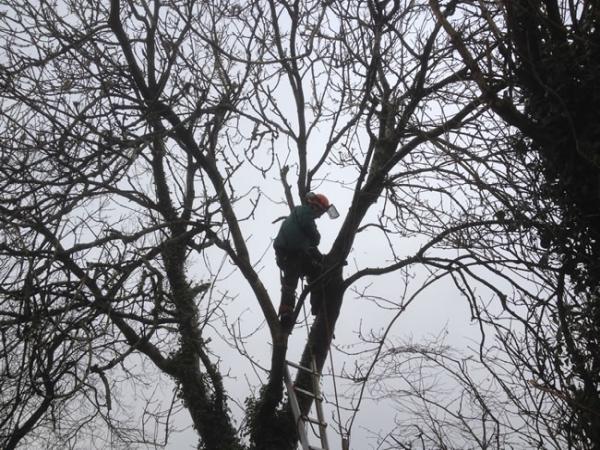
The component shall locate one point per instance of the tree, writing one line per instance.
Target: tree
(544, 67)
(130, 131)
(536, 63)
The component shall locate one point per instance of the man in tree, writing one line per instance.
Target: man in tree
(297, 253)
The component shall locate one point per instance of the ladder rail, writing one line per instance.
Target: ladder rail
(298, 417)
(319, 407)
(296, 410)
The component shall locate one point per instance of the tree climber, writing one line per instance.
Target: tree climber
(297, 254)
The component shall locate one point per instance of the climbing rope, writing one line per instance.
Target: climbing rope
(333, 378)
(330, 335)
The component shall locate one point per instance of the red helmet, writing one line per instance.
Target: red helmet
(319, 200)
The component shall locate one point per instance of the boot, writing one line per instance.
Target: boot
(286, 316)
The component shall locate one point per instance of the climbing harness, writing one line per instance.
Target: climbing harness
(308, 288)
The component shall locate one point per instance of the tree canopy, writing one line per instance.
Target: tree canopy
(149, 147)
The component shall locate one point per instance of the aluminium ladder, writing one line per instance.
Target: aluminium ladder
(301, 421)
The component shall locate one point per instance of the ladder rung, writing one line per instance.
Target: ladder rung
(299, 367)
(316, 421)
(308, 393)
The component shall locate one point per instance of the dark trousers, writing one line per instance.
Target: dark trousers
(295, 265)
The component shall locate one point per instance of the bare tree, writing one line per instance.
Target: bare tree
(129, 133)
(536, 62)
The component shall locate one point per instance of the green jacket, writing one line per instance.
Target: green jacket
(298, 231)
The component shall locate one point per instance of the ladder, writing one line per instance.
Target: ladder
(301, 421)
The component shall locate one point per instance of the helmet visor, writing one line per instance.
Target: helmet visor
(332, 212)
